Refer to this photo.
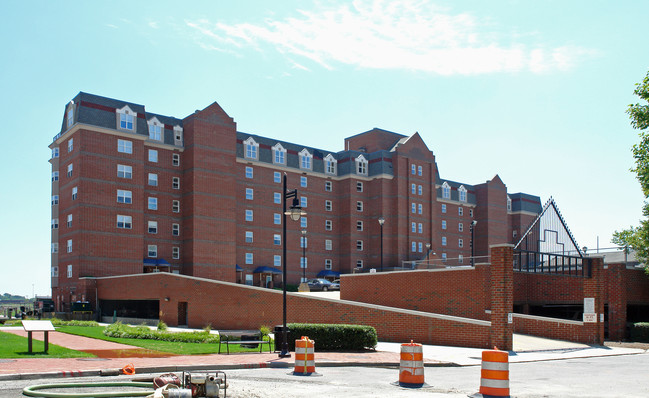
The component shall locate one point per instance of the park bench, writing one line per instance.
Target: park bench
(252, 340)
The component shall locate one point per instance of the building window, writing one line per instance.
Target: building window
(509, 203)
(249, 215)
(328, 186)
(443, 240)
(55, 176)
(420, 208)
(248, 236)
(305, 159)
(277, 261)
(460, 242)
(460, 211)
(249, 194)
(443, 256)
(55, 152)
(471, 213)
(328, 244)
(359, 206)
(304, 242)
(251, 148)
(70, 145)
(74, 193)
(277, 177)
(328, 205)
(175, 229)
(413, 247)
(69, 270)
(249, 173)
(359, 225)
(175, 183)
(413, 189)
(443, 224)
(277, 219)
(303, 181)
(414, 208)
(55, 271)
(277, 239)
(413, 227)
(55, 200)
(303, 201)
(413, 169)
(303, 262)
(153, 179)
(69, 223)
(249, 258)
(70, 115)
(124, 171)
(446, 190)
(155, 129)
(153, 155)
(124, 146)
(328, 263)
(175, 253)
(70, 170)
(420, 247)
(303, 222)
(69, 245)
(55, 223)
(443, 208)
(175, 206)
(420, 228)
(175, 159)
(419, 171)
(361, 165)
(359, 245)
(178, 135)
(124, 196)
(460, 227)
(462, 193)
(359, 186)
(328, 225)
(153, 227)
(420, 190)
(152, 251)
(359, 263)
(124, 222)
(277, 197)
(514, 233)
(126, 118)
(330, 164)
(153, 203)
(55, 247)
(460, 259)
(279, 154)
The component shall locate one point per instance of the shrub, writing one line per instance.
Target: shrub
(264, 331)
(162, 326)
(640, 332)
(60, 322)
(332, 337)
(120, 330)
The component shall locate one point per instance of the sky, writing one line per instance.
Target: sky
(535, 92)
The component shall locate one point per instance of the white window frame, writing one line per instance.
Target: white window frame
(446, 190)
(69, 246)
(306, 159)
(156, 129)
(359, 245)
(304, 262)
(249, 172)
(304, 201)
(359, 225)
(175, 159)
(277, 198)
(277, 260)
(420, 247)
(55, 247)
(125, 146)
(420, 228)
(69, 221)
(124, 222)
(361, 165)
(69, 271)
(152, 227)
(413, 227)
(175, 229)
(55, 271)
(277, 239)
(75, 193)
(152, 203)
(178, 135)
(328, 244)
(328, 186)
(420, 208)
(152, 251)
(331, 164)
(127, 196)
(175, 206)
(250, 149)
(460, 211)
(249, 215)
(413, 208)
(328, 225)
(328, 205)
(70, 145)
(152, 179)
(250, 258)
(69, 115)
(249, 237)
(55, 200)
(126, 119)
(55, 152)
(413, 169)
(359, 205)
(327, 263)
(443, 240)
(444, 208)
(175, 253)
(460, 242)
(70, 168)
(279, 154)
(443, 224)
(461, 191)
(359, 186)
(460, 227)
(55, 176)
(419, 171)
(303, 222)
(413, 247)
(413, 189)
(277, 219)
(55, 223)
(304, 182)
(359, 263)
(250, 194)
(420, 190)
(175, 182)
(124, 171)
(509, 203)
(277, 177)
(460, 258)
(153, 155)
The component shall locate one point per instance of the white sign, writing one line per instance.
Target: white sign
(510, 318)
(589, 305)
(601, 318)
(590, 318)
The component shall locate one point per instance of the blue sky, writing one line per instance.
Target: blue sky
(535, 92)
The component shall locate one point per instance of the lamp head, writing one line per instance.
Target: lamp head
(381, 220)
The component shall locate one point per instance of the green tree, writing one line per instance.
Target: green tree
(637, 238)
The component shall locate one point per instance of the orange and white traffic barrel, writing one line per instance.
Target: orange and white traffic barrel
(304, 356)
(411, 366)
(494, 375)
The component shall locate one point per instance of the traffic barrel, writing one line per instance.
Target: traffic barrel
(304, 356)
(411, 366)
(494, 375)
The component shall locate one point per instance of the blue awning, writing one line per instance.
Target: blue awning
(326, 272)
(266, 270)
(150, 261)
(162, 261)
(238, 268)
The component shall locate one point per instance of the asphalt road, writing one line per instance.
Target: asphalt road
(619, 376)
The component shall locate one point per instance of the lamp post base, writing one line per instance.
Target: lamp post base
(284, 354)
(304, 287)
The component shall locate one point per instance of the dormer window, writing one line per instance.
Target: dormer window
(69, 115)
(251, 149)
(156, 129)
(509, 203)
(446, 190)
(178, 136)
(361, 165)
(279, 154)
(126, 118)
(330, 164)
(305, 159)
(462, 193)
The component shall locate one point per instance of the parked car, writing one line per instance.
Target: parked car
(322, 284)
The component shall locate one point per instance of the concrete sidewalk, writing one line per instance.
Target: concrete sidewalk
(526, 349)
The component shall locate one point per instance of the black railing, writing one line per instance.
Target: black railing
(551, 263)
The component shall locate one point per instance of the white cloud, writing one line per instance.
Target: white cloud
(401, 34)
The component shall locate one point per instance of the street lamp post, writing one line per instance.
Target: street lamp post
(427, 255)
(381, 222)
(295, 212)
(472, 226)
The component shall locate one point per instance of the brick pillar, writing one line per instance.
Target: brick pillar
(502, 295)
(617, 297)
(594, 288)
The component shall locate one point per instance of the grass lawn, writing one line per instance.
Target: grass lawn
(12, 346)
(157, 345)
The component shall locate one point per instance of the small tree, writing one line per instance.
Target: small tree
(637, 238)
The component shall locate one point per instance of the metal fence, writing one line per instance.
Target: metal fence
(551, 263)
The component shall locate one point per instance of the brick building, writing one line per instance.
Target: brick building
(136, 192)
